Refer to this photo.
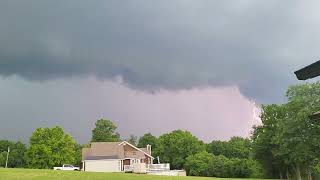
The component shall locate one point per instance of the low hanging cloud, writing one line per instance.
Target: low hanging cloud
(173, 45)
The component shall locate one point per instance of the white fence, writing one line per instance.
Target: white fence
(148, 167)
(158, 167)
(153, 169)
(168, 173)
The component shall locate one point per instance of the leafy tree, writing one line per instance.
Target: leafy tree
(240, 168)
(78, 153)
(218, 147)
(50, 147)
(132, 140)
(239, 148)
(236, 147)
(16, 156)
(298, 135)
(265, 141)
(105, 132)
(219, 166)
(176, 146)
(289, 138)
(3, 156)
(256, 169)
(199, 164)
(146, 139)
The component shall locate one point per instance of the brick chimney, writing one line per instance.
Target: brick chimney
(149, 149)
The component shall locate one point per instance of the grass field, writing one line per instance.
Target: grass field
(27, 174)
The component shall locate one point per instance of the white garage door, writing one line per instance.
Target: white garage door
(102, 165)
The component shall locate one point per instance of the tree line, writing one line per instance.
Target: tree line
(49, 147)
(285, 146)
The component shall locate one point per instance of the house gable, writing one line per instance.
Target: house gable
(130, 147)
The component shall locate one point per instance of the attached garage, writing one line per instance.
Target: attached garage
(108, 165)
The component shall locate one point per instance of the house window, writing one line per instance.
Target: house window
(133, 161)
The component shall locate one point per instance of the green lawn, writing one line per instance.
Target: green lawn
(26, 174)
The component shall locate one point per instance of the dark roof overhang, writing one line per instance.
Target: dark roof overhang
(308, 72)
(315, 116)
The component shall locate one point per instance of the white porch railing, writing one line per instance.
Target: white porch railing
(149, 167)
(158, 167)
(128, 168)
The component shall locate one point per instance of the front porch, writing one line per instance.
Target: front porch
(141, 167)
(153, 169)
(127, 164)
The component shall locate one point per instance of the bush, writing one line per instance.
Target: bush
(198, 164)
(207, 164)
(219, 166)
(240, 168)
(257, 170)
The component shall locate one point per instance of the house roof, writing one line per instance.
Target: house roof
(108, 150)
(144, 150)
(139, 149)
(308, 72)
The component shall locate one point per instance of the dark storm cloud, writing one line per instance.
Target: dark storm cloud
(255, 45)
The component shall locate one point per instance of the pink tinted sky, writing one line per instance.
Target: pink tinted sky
(76, 103)
(209, 113)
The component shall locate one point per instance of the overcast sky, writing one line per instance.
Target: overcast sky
(150, 66)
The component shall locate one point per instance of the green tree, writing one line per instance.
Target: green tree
(3, 156)
(256, 169)
(50, 147)
(239, 148)
(105, 132)
(132, 140)
(240, 168)
(298, 135)
(176, 146)
(146, 139)
(219, 166)
(16, 157)
(265, 141)
(289, 138)
(218, 147)
(78, 153)
(198, 164)
(236, 147)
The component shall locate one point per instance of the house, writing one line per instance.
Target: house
(114, 157)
